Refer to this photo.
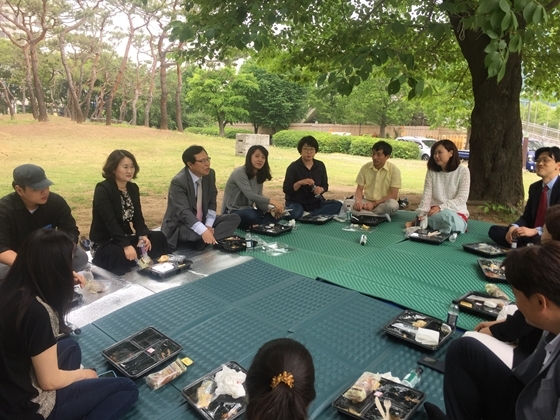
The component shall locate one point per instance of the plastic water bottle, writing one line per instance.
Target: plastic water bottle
(453, 237)
(348, 213)
(413, 377)
(248, 240)
(452, 314)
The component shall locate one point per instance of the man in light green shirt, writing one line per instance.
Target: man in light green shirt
(378, 182)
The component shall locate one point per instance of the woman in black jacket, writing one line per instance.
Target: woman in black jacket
(116, 206)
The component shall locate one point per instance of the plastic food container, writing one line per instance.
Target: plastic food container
(405, 326)
(141, 352)
(222, 407)
(404, 402)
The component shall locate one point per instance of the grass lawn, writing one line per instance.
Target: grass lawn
(73, 155)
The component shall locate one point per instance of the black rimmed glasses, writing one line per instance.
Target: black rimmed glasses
(207, 160)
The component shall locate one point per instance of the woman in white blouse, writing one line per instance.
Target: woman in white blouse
(446, 190)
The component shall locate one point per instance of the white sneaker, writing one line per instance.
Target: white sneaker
(306, 213)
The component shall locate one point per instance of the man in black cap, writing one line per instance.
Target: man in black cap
(30, 207)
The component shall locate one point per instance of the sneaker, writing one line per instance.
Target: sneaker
(403, 203)
(85, 243)
(306, 213)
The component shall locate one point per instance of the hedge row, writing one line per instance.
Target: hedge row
(215, 131)
(353, 145)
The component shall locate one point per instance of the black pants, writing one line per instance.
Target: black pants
(110, 256)
(498, 235)
(477, 384)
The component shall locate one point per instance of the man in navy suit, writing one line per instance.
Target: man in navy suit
(191, 215)
(542, 194)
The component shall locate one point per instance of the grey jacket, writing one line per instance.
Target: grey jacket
(181, 203)
(241, 192)
(540, 399)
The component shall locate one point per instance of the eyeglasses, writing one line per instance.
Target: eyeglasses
(544, 160)
(308, 149)
(207, 160)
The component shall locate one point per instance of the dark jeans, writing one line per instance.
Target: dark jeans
(477, 384)
(498, 235)
(328, 207)
(110, 256)
(250, 217)
(90, 399)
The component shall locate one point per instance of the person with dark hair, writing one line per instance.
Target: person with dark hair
(116, 206)
(478, 385)
(244, 191)
(40, 377)
(446, 190)
(378, 186)
(30, 207)
(510, 336)
(305, 182)
(280, 382)
(542, 194)
(191, 216)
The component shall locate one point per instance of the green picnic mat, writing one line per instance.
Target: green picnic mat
(414, 275)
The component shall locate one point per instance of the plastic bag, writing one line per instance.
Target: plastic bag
(158, 379)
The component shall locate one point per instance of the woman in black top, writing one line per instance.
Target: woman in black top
(116, 206)
(40, 377)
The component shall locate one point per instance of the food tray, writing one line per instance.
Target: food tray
(403, 327)
(319, 219)
(224, 406)
(141, 352)
(368, 220)
(473, 302)
(232, 244)
(176, 264)
(271, 229)
(404, 402)
(426, 236)
(485, 249)
(492, 270)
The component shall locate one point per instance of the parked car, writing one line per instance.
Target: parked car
(424, 143)
(530, 163)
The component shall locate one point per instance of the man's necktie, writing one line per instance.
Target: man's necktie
(199, 199)
(541, 212)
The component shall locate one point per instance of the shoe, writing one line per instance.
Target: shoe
(305, 213)
(403, 204)
(85, 243)
(199, 245)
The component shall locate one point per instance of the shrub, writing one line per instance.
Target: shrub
(401, 149)
(214, 131)
(354, 145)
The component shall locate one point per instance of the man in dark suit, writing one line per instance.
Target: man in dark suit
(190, 215)
(542, 194)
(478, 385)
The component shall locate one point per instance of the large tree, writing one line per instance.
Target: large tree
(343, 41)
(277, 103)
(221, 93)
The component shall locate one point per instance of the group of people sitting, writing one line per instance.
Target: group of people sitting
(40, 370)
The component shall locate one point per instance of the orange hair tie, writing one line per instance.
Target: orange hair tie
(285, 377)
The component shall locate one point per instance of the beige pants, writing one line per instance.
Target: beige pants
(390, 207)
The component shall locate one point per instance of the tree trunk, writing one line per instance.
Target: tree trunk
(495, 141)
(29, 82)
(178, 99)
(134, 101)
(23, 99)
(7, 95)
(37, 83)
(77, 114)
(221, 125)
(163, 83)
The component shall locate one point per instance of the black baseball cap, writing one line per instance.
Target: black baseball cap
(32, 176)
